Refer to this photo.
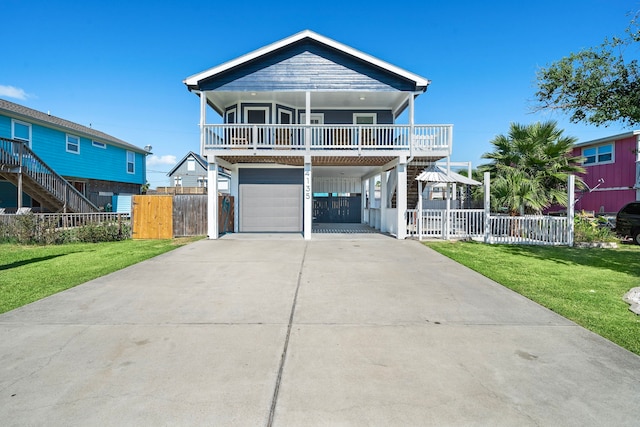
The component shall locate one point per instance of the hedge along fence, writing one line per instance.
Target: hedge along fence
(64, 228)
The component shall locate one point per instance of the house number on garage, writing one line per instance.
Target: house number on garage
(307, 185)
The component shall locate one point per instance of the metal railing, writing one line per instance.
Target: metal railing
(328, 137)
(17, 155)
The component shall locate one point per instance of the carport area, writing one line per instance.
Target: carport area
(275, 330)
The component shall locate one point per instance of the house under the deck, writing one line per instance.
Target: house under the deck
(309, 133)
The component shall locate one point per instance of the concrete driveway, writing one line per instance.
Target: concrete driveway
(343, 330)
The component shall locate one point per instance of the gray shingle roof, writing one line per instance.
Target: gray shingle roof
(29, 115)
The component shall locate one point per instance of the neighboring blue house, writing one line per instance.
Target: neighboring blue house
(191, 172)
(309, 128)
(96, 165)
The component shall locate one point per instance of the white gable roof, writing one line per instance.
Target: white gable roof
(196, 78)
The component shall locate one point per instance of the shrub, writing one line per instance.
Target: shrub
(589, 229)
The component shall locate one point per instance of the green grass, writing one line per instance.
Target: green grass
(583, 285)
(29, 273)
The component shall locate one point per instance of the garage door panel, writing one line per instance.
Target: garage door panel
(270, 208)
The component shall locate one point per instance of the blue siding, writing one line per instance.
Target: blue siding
(307, 65)
(345, 117)
(109, 164)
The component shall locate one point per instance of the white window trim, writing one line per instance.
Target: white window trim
(177, 181)
(288, 112)
(13, 136)
(374, 115)
(319, 116)
(133, 163)
(66, 146)
(233, 110)
(191, 162)
(608, 162)
(256, 108)
(99, 144)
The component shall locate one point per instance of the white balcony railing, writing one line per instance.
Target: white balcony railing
(429, 138)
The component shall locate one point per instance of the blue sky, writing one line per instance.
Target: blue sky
(119, 65)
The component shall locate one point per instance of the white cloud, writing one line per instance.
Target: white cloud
(168, 159)
(13, 92)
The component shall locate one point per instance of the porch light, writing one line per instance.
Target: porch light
(362, 98)
(253, 94)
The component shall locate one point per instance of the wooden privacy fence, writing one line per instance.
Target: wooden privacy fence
(164, 217)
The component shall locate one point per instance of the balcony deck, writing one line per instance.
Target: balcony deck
(327, 144)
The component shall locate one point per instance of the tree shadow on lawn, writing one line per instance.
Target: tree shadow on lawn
(625, 259)
(29, 261)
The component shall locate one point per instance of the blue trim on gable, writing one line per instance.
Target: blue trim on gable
(307, 65)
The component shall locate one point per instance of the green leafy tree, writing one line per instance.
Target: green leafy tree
(598, 85)
(530, 167)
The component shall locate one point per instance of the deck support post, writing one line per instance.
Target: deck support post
(419, 213)
(487, 207)
(401, 198)
(212, 199)
(20, 175)
(308, 199)
(383, 202)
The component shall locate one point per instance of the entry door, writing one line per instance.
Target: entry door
(258, 116)
(317, 136)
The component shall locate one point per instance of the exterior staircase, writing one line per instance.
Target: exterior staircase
(19, 162)
(413, 170)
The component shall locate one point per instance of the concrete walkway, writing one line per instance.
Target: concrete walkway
(343, 330)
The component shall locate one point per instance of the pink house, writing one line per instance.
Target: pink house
(612, 172)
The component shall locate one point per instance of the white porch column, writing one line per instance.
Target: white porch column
(307, 120)
(212, 199)
(203, 121)
(401, 199)
(383, 202)
(308, 199)
(419, 214)
(372, 200)
(571, 186)
(487, 207)
(234, 190)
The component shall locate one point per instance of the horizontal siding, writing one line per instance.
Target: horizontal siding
(345, 117)
(618, 174)
(271, 176)
(109, 164)
(189, 178)
(307, 66)
(605, 201)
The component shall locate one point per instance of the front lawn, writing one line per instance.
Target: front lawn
(583, 285)
(29, 273)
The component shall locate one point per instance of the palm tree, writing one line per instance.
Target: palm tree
(530, 167)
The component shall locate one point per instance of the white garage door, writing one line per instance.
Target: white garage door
(270, 208)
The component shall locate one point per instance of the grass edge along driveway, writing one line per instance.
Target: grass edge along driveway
(585, 285)
(29, 273)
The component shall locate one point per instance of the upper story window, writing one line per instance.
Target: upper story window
(191, 165)
(73, 144)
(131, 162)
(601, 154)
(21, 131)
(365, 118)
(98, 144)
